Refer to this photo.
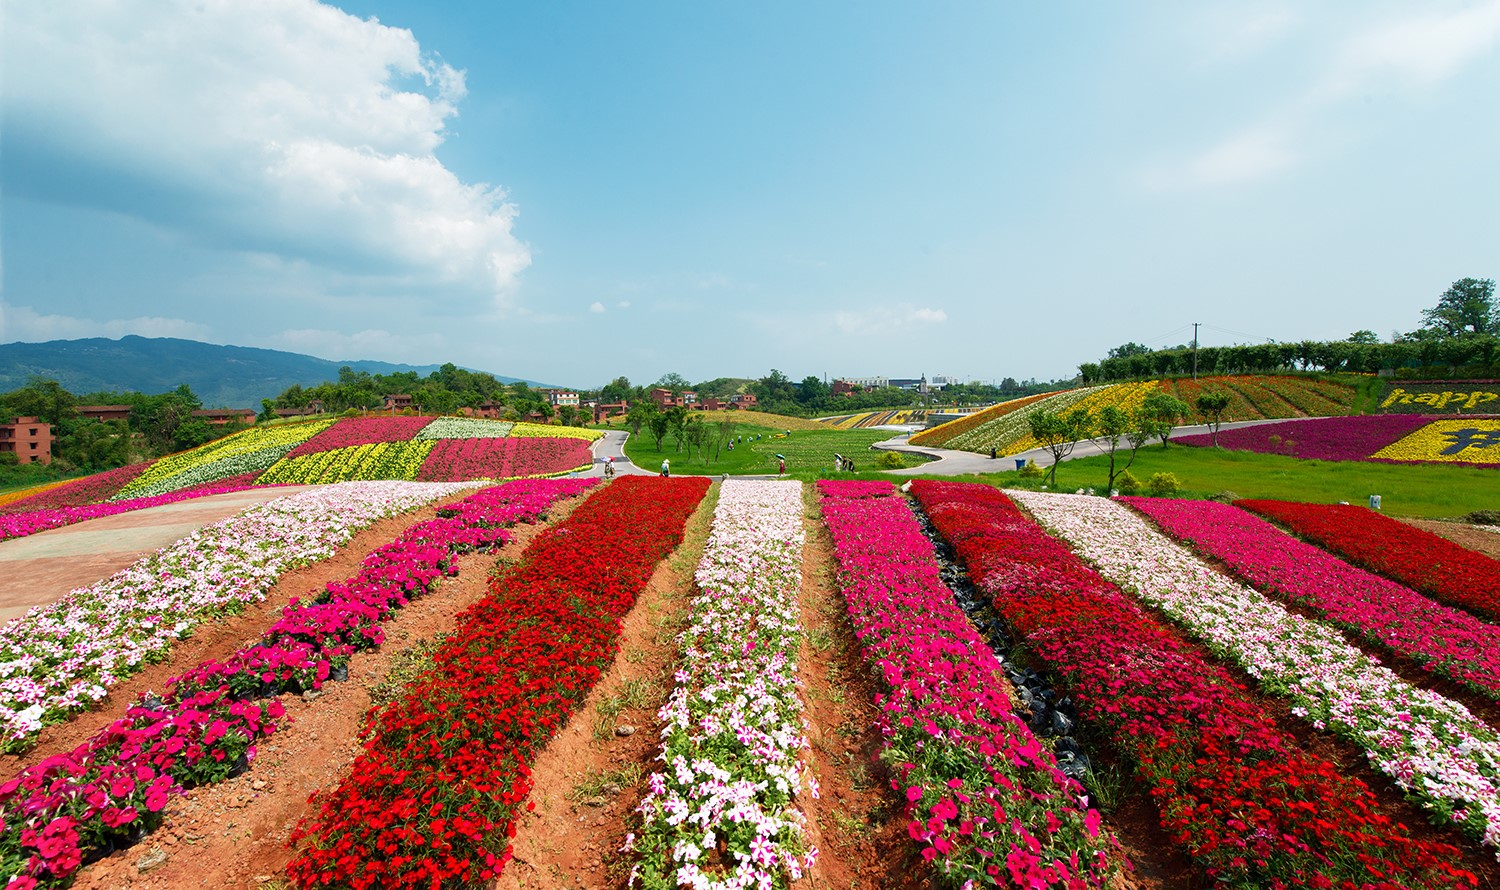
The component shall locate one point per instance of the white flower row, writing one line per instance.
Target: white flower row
(58, 658)
(465, 428)
(1434, 749)
(205, 474)
(160, 477)
(722, 814)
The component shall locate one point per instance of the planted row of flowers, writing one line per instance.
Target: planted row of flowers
(939, 436)
(722, 811)
(76, 492)
(110, 790)
(1419, 559)
(1248, 804)
(985, 799)
(1013, 426)
(465, 428)
(375, 460)
(549, 431)
(19, 525)
(1469, 441)
(255, 448)
(1445, 641)
(503, 458)
(59, 658)
(433, 798)
(1443, 758)
(1319, 438)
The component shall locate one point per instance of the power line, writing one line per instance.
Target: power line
(1239, 333)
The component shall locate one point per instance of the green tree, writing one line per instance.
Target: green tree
(1212, 405)
(1363, 337)
(659, 424)
(1112, 425)
(1059, 433)
(1163, 411)
(640, 416)
(673, 381)
(1466, 307)
(617, 390)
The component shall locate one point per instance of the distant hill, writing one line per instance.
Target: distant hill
(221, 376)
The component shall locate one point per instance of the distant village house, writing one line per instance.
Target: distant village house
(28, 439)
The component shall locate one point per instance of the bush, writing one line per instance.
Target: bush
(1126, 483)
(351, 412)
(1163, 484)
(891, 461)
(1484, 517)
(1224, 497)
(1030, 471)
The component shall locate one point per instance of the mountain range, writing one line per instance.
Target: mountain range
(221, 376)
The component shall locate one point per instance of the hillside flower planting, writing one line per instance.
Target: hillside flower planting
(1376, 437)
(1249, 805)
(202, 730)
(465, 428)
(939, 436)
(1447, 642)
(987, 803)
(433, 798)
(256, 448)
(1419, 559)
(1439, 754)
(58, 659)
(1125, 396)
(548, 431)
(375, 460)
(350, 432)
(722, 813)
(1012, 427)
(453, 459)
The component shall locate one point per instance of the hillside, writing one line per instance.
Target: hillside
(221, 376)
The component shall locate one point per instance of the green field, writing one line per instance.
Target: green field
(1423, 490)
(809, 453)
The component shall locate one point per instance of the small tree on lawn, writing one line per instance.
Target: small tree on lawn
(639, 416)
(695, 431)
(725, 433)
(1059, 433)
(1113, 425)
(1211, 405)
(659, 424)
(677, 417)
(1164, 411)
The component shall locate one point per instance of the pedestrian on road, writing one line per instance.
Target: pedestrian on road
(666, 468)
(781, 467)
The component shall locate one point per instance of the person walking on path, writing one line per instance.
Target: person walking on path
(666, 468)
(781, 466)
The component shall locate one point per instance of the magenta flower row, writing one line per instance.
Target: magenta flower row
(986, 801)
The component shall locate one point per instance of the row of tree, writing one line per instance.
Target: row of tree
(1158, 413)
(1459, 336)
(443, 391)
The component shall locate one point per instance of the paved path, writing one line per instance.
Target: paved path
(40, 568)
(957, 463)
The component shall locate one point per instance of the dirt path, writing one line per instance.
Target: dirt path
(1477, 539)
(40, 568)
(234, 834)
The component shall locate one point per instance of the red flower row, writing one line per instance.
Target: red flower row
(80, 492)
(433, 799)
(352, 431)
(111, 790)
(453, 460)
(1419, 559)
(1247, 803)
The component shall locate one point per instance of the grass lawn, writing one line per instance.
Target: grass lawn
(809, 453)
(1423, 490)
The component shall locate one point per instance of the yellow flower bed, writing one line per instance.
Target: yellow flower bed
(244, 442)
(377, 460)
(1125, 396)
(542, 431)
(28, 492)
(939, 436)
(1450, 441)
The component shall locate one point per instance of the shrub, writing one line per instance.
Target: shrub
(1125, 483)
(1484, 517)
(1163, 484)
(1030, 471)
(351, 412)
(891, 461)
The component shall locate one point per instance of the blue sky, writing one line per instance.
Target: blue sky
(573, 191)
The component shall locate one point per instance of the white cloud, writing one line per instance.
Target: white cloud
(623, 304)
(285, 126)
(408, 347)
(886, 319)
(1247, 156)
(596, 306)
(25, 325)
(1418, 51)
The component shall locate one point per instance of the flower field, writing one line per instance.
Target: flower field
(985, 798)
(871, 419)
(465, 428)
(492, 458)
(1388, 438)
(1243, 799)
(431, 799)
(76, 492)
(940, 436)
(1264, 397)
(113, 788)
(372, 460)
(247, 450)
(722, 807)
(19, 525)
(1418, 559)
(1445, 759)
(1448, 642)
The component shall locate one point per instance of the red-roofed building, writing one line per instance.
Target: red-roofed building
(104, 413)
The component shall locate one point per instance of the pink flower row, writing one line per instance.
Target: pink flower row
(986, 800)
(351, 431)
(1445, 641)
(109, 791)
(19, 525)
(492, 458)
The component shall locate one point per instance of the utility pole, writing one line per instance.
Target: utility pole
(1195, 348)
